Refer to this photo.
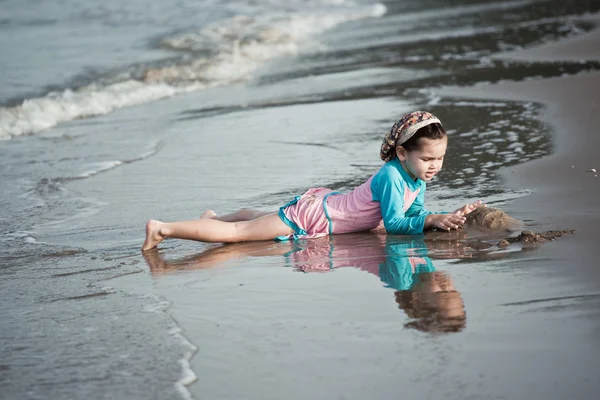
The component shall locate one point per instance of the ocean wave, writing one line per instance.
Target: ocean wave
(105, 166)
(37, 114)
(237, 47)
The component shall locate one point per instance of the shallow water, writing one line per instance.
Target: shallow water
(87, 315)
(359, 314)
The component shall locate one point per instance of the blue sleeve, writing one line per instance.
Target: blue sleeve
(388, 190)
(397, 270)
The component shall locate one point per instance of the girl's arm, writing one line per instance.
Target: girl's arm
(388, 190)
(442, 220)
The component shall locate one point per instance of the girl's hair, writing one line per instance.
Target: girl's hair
(431, 131)
(407, 132)
(432, 312)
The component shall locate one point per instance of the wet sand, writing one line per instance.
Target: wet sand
(263, 332)
(585, 47)
(525, 312)
(334, 325)
(565, 195)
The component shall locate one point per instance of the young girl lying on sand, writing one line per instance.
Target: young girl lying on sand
(413, 152)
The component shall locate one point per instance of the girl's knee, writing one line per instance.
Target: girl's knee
(242, 231)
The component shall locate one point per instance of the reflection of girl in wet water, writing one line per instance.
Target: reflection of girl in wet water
(433, 304)
(426, 296)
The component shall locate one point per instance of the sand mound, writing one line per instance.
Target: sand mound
(494, 220)
(488, 218)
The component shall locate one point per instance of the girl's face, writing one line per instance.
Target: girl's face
(425, 162)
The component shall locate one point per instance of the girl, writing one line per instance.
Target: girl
(392, 198)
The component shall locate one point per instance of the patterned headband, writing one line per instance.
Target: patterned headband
(403, 130)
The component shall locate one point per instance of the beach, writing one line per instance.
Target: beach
(247, 104)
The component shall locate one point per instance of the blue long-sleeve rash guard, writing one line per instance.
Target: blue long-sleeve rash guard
(394, 189)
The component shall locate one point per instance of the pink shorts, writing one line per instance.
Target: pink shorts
(306, 214)
(364, 251)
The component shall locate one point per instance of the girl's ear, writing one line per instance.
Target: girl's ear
(401, 153)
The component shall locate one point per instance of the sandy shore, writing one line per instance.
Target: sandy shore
(520, 312)
(565, 193)
(338, 335)
(584, 47)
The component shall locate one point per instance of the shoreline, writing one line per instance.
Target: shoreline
(581, 48)
(267, 320)
(564, 195)
(570, 109)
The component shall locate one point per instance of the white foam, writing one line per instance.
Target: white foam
(30, 239)
(104, 166)
(535, 139)
(101, 167)
(188, 376)
(511, 136)
(18, 235)
(187, 373)
(35, 115)
(480, 104)
(516, 147)
(244, 43)
(240, 45)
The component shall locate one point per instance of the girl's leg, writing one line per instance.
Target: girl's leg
(267, 227)
(215, 256)
(241, 215)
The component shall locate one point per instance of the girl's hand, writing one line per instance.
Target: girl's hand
(467, 208)
(444, 221)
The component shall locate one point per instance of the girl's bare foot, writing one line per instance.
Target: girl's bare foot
(208, 214)
(153, 235)
(156, 263)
